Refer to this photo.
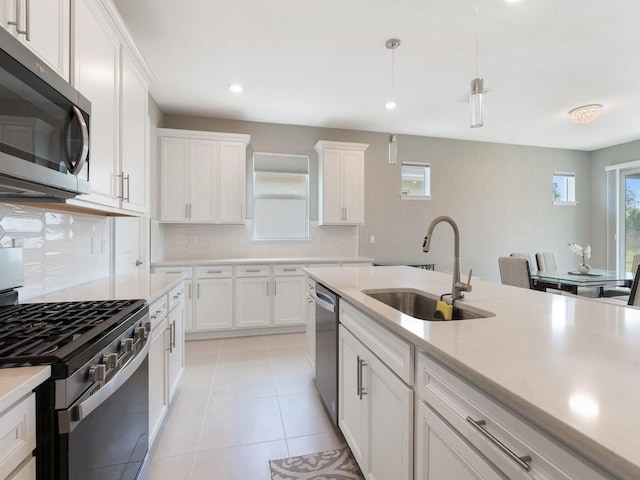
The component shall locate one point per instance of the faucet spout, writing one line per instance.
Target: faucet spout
(457, 287)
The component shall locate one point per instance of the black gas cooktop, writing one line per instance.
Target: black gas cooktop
(49, 333)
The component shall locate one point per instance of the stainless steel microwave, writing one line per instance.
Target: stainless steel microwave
(44, 129)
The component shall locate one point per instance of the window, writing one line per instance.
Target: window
(280, 197)
(416, 180)
(564, 188)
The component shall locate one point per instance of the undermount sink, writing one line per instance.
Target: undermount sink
(419, 305)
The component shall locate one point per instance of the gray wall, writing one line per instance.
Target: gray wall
(500, 195)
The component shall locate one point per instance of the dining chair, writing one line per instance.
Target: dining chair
(546, 261)
(634, 297)
(623, 291)
(525, 255)
(515, 271)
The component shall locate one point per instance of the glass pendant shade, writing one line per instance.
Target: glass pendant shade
(476, 103)
(393, 150)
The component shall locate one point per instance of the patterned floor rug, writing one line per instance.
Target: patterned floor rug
(330, 465)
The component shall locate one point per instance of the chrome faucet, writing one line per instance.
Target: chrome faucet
(457, 287)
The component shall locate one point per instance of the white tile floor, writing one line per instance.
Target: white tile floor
(242, 402)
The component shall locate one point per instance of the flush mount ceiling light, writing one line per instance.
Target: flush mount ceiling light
(392, 44)
(235, 88)
(586, 113)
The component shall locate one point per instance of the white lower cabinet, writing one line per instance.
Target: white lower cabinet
(376, 412)
(214, 307)
(253, 302)
(289, 300)
(443, 454)
(310, 287)
(464, 434)
(18, 439)
(175, 332)
(158, 400)
(166, 355)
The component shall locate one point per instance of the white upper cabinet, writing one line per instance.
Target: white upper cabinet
(202, 176)
(108, 70)
(341, 183)
(43, 26)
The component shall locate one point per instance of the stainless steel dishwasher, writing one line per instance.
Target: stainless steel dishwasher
(327, 348)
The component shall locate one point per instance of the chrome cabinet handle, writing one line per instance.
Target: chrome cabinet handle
(521, 461)
(127, 179)
(214, 271)
(363, 392)
(267, 289)
(289, 269)
(275, 288)
(173, 331)
(16, 23)
(186, 210)
(198, 290)
(189, 291)
(358, 379)
(252, 270)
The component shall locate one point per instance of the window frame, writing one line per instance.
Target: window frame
(425, 165)
(570, 187)
(280, 196)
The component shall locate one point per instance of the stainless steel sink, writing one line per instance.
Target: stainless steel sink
(418, 305)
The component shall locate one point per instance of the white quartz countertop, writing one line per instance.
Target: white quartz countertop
(253, 260)
(116, 287)
(569, 365)
(17, 382)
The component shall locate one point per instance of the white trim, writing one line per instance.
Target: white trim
(415, 197)
(623, 166)
(566, 204)
(322, 144)
(204, 135)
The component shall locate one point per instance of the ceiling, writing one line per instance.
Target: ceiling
(325, 64)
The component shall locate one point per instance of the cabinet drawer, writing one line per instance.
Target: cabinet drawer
(176, 295)
(17, 434)
(157, 311)
(214, 271)
(288, 270)
(396, 353)
(252, 270)
(458, 402)
(187, 271)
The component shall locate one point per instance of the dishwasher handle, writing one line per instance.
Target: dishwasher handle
(324, 301)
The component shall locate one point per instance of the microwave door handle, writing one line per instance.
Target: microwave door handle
(84, 136)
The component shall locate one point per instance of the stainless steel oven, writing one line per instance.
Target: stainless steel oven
(44, 129)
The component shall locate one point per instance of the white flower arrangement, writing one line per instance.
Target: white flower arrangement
(584, 252)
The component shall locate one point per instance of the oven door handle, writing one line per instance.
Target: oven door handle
(70, 418)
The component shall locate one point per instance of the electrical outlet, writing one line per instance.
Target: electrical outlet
(241, 240)
(372, 239)
(193, 239)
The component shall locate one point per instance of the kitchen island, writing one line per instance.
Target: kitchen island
(567, 365)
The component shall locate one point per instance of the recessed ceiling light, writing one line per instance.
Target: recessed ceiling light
(390, 105)
(235, 88)
(586, 113)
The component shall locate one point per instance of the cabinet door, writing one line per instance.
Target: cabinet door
(214, 304)
(48, 27)
(174, 178)
(288, 301)
(252, 302)
(332, 181)
(176, 348)
(311, 330)
(442, 454)
(203, 177)
(157, 379)
(232, 182)
(353, 187)
(351, 411)
(188, 306)
(390, 415)
(133, 135)
(96, 65)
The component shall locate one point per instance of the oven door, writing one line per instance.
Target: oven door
(108, 437)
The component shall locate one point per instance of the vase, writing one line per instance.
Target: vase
(583, 268)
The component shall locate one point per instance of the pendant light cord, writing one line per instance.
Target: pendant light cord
(477, 35)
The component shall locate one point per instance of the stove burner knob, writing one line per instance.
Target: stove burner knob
(126, 345)
(110, 360)
(140, 333)
(97, 373)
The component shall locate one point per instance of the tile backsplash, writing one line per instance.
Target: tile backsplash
(60, 249)
(194, 242)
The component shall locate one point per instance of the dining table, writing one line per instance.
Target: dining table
(571, 280)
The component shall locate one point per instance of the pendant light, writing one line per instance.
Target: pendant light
(476, 100)
(392, 44)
